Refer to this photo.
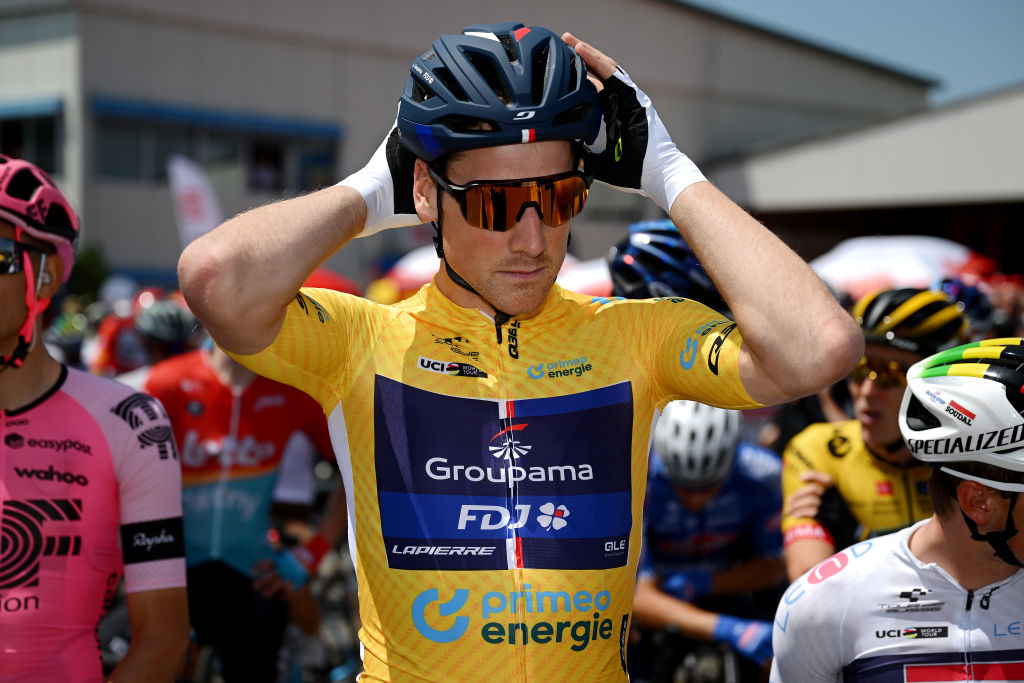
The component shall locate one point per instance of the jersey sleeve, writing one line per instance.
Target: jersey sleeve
(148, 474)
(695, 354)
(810, 628)
(312, 350)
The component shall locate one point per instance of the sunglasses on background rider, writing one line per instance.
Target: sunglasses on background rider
(11, 255)
(886, 374)
(499, 204)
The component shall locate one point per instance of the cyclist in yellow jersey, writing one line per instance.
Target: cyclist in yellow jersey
(497, 424)
(860, 471)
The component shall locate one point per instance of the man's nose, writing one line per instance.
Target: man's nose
(528, 235)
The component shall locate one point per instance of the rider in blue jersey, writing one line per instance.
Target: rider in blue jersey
(711, 565)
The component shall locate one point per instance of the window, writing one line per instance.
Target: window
(240, 153)
(33, 138)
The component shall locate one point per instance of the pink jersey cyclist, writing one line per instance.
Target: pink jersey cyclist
(90, 487)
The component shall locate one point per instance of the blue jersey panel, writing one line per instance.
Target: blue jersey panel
(480, 484)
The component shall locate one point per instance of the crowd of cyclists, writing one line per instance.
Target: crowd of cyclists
(847, 538)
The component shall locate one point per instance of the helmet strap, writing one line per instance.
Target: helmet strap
(500, 317)
(997, 539)
(33, 306)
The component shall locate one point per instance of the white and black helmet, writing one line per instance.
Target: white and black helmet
(696, 442)
(965, 405)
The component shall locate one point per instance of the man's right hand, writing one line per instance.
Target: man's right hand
(806, 501)
(639, 154)
(385, 184)
(752, 639)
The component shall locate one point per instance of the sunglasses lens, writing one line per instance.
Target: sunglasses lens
(499, 207)
(10, 262)
(885, 374)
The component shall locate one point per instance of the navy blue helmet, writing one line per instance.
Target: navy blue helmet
(655, 260)
(524, 82)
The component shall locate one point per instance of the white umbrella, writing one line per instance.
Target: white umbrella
(863, 264)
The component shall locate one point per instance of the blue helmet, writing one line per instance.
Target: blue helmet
(524, 82)
(655, 260)
(972, 301)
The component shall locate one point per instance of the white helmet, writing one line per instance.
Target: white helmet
(696, 442)
(965, 405)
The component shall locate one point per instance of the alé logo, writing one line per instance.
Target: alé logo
(445, 609)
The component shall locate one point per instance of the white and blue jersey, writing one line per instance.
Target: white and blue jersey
(740, 522)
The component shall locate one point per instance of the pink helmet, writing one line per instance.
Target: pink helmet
(31, 201)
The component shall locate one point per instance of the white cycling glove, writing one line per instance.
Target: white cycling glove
(386, 186)
(639, 155)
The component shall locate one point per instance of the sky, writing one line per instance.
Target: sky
(970, 46)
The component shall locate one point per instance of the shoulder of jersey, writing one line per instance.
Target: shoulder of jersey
(758, 463)
(850, 567)
(172, 368)
(820, 433)
(94, 389)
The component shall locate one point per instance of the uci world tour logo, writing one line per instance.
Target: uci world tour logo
(427, 598)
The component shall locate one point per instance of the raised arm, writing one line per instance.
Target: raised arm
(797, 338)
(239, 277)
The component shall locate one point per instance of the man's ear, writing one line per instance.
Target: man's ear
(50, 277)
(424, 192)
(978, 502)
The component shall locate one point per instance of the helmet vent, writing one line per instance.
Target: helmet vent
(466, 124)
(23, 185)
(420, 93)
(920, 418)
(58, 220)
(489, 71)
(445, 76)
(541, 68)
(509, 43)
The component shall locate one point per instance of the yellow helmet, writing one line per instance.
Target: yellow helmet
(917, 320)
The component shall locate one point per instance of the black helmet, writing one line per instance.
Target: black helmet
(917, 320)
(166, 322)
(525, 82)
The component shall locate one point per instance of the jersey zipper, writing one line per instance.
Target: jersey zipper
(513, 539)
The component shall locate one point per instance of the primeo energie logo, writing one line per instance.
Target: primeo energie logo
(573, 367)
(568, 617)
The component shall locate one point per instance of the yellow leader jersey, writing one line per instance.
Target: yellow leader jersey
(871, 497)
(495, 474)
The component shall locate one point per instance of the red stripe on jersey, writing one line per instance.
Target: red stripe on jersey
(999, 671)
(519, 552)
(934, 673)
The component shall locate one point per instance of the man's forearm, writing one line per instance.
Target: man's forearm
(239, 277)
(654, 609)
(796, 337)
